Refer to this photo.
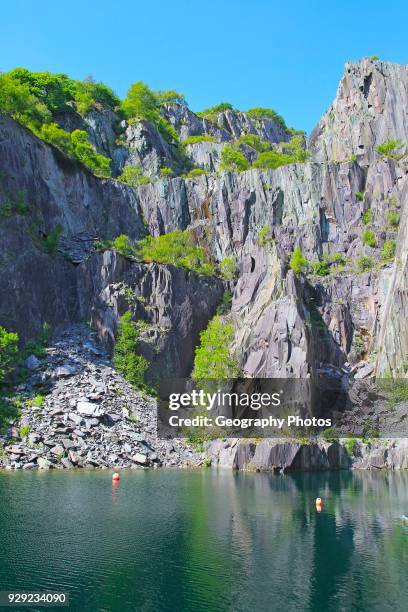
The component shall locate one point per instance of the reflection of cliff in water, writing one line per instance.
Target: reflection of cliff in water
(333, 560)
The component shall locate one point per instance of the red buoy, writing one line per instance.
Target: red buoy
(319, 504)
(115, 477)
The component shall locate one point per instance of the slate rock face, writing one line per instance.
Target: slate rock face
(350, 323)
(369, 109)
(270, 455)
(173, 304)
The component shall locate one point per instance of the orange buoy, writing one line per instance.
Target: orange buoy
(115, 477)
(319, 504)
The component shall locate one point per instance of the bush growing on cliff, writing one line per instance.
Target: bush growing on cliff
(228, 268)
(123, 245)
(298, 261)
(321, 267)
(351, 446)
(369, 238)
(393, 219)
(88, 93)
(176, 248)
(169, 96)
(17, 101)
(267, 113)
(330, 435)
(213, 356)
(215, 110)
(296, 150)
(57, 91)
(292, 152)
(133, 176)
(196, 172)
(388, 252)
(233, 160)
(166, 172)
(359, 196)
(264, 236)
(140, 103)
(33, 98)
(14, 205)
(367, 217)
(197, 139)
(271, 160)
(76, 146)
(125, 358)
(254, 141)
(364, 263)
(393, 149)
(51, 241)
(9, 361)
(8, 353)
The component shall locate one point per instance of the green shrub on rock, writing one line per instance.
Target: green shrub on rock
(166, 172)
(267, 113)
(213, 111)
(321, 267)
(351, 446)
(264, 236)
(17, 101)
(196, 139)
(141, 103)
(367, 217)
(388, 252)
(393, 149)
(169, 96)
(133, 176)
(228, 268)
(298, 261)
(195, 173)
(393, 219)
(254, 141)
(176, 248)
(369, 238)
(123, 245)
(8, 353)
(125, 358)
(76, 146)
(271, 160)
(233, 160)
(213, 356)
(365, 263)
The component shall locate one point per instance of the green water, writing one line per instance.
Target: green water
(207, 540)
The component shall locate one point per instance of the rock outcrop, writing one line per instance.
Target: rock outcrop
(346, 208)
(369, 109)
(291, 455)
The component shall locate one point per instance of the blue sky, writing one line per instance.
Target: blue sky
(287, 55)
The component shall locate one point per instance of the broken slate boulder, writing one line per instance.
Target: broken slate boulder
(88, 409)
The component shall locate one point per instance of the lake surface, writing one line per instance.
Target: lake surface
(207, 540)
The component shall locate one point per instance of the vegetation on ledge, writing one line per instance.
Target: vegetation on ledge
(141, 103)
(125, 358)
(213, 356)
(33, 98)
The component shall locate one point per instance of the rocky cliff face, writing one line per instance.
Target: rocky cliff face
(351, 321)
(369, 109)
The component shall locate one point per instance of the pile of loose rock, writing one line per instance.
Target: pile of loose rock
(86, 415)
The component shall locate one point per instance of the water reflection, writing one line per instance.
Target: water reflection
(208, 540)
